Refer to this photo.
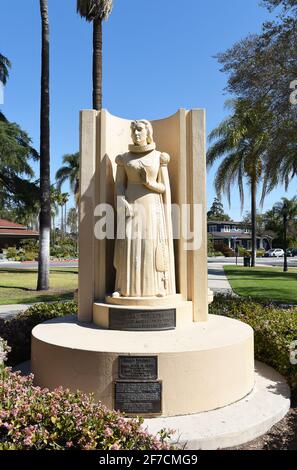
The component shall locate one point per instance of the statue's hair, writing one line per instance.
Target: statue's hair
(148, 126)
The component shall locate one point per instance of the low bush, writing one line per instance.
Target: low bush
(226, 251)
(32, 418)
(11, 253)
(275, 330)
(17, 331)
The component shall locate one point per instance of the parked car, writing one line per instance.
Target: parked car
(292, 252)
(274, 253)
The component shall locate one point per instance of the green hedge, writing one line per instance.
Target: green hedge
(275, 330)
(17, 331)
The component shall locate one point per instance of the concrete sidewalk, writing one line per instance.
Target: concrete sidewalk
(217, 279)
(9, 311)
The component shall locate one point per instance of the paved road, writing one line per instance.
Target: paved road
(34, 265)
(292, 262)
(274, 262)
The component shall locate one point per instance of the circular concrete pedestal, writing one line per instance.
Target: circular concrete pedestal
(235, 424)
(202, 367)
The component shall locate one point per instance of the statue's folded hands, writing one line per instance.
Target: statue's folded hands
(154, 186)
(149, 183)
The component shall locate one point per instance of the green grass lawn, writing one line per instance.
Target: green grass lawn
(264, 283)
(17, 286)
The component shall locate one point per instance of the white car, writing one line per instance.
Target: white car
(274, 253)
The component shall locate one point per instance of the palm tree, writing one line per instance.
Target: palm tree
(241, 140)
(60, 203)
(70, 171)
(5, 65)
(54, 208)
(45, 186)
(287, 211)
(96, 11)
(65, 199)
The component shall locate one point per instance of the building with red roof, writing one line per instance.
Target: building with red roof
(12, 233)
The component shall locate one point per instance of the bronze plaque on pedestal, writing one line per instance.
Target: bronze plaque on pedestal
(142, 320)
(138, 397)
(138, 367)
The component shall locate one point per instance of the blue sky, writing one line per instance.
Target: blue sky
(158, 57)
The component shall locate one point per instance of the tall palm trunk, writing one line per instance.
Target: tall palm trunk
(65, 217)
(254, 219)
(97, 64)
(54, 229)
(62, 220)
(285, 222)
(45, 190)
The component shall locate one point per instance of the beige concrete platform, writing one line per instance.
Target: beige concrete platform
(235, 424)
(202, 366)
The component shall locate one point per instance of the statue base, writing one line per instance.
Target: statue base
(194, 368)
(144, 313)
(147, 314)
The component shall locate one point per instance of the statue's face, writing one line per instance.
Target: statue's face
(139, 134)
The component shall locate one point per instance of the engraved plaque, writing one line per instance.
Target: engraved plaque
(138, 397)
(138, 367)
(142, 320)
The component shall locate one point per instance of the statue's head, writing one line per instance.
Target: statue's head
(142, 132)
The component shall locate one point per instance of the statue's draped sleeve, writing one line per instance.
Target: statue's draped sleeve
(120, 182)
(164, 179)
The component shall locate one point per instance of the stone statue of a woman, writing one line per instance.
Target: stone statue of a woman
(144, 258)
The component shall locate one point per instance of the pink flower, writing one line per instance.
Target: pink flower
(115, 447)
(107, 432)
(28, 441)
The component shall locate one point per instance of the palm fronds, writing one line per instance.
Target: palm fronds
(5, 65)
(70, 172)
(94, 9)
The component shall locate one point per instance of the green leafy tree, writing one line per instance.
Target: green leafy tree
(241, 142)
(95, 11)
(286, 4)
(17, 190)
(261, 68)
(273, 226)
(216, 211)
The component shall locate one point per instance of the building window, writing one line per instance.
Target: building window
(226, 228)
(212, 228)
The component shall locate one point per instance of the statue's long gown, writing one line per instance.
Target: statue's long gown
(144, 258)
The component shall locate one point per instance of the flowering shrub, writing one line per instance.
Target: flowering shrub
(17, 331)
(4, 350)
(32, 418)
(275, 330)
